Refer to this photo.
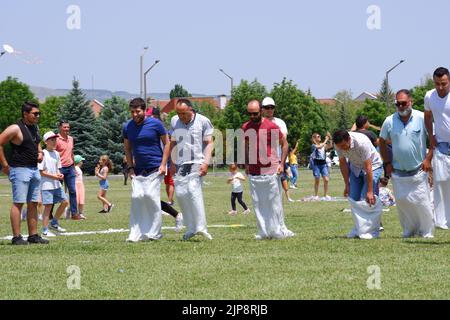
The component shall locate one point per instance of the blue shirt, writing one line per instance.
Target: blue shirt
(145, 141)
(409, 140)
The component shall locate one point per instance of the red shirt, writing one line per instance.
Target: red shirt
(262, 138)
(65, 149)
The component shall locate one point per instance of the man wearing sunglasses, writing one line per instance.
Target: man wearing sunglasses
(263, 165)
(410, 166)
(23, 171)
(437, 110)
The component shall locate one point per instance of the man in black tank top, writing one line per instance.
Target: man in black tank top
(23, 172)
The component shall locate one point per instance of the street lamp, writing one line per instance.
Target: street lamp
(387, 84)
(142, 66)
(231, 78)
(6, 49)
(145, 80)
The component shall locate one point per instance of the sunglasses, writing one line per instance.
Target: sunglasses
(253, 114)
(401, 103)
(269, 107)
(36, 114)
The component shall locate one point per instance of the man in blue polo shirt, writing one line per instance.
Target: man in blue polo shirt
(410, 166)
(143, 138)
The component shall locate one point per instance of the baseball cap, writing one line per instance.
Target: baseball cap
(50, 134)
(78, 158)
(268, 101)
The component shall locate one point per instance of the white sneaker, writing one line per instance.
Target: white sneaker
(205, 234)
(291, 200)
(246, 212)
(293, 187)
(82, 216)
(327, 198)
(179, 222)
(366, 236)
(188, 235)
(48, 233)
(443, 227)
(58, 228)
(232, 212)
(428, 236)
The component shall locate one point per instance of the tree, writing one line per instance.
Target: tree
(418, 92)
(235, 114)
(375, 111)
(83, 126)
(386, 94)
(179, 92)
(110, 123)
(344, 114)
(210, 111)
(50, 113)
(12, 96)
(302, 114)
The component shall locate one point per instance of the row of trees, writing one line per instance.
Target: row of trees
(93, 136)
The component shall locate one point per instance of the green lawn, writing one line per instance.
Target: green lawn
(319, 263)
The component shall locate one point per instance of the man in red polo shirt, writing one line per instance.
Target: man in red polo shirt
(261, 138)
(64, 145)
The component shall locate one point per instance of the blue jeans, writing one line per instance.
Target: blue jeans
(294, 174)
(25, 184)
(358, 185)
(69, 181)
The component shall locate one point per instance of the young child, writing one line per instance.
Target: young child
(386, 196)
(52, 191)
(101, 172)
(235, 179)
(79, 185)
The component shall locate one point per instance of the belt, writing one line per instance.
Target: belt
(405, 173)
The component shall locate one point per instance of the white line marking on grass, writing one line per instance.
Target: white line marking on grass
(82, 233)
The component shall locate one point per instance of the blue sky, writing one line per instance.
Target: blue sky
(322, 45)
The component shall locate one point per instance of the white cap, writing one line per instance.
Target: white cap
(49, 135)
(268, 101)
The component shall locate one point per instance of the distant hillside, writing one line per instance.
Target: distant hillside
(100, 95)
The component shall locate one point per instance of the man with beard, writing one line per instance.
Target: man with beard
(264, 167)
(409, 167)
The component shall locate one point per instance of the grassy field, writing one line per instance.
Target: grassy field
(319, 263)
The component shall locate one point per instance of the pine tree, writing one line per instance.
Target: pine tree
(386, 94)
(109, 129)
(83, 127)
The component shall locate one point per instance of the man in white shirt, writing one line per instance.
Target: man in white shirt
(437, 108)
(362, 180)
(191, 149)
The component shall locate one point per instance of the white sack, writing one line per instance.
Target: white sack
(441, 189)
(367, 218)
(145, 213)
(267, 203)
(412, 195)
(188, 190)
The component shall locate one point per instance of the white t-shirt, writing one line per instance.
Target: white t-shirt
(236, 183)
(190, 138)
(50, 164)
(283, 128)
(441, 114)
(79, 175)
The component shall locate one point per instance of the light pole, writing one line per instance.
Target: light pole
(231, 78)
(145, 80)
(6, 49)
(141, 75)
(387, 84)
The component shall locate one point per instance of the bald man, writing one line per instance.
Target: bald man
(263, 165)
(191, 148)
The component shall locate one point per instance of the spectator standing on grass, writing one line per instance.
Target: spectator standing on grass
(64, 146)
(23, 171)
(293, 164)
(319, 165)
(236, 178)
(102, 170)
(52, 190)
(79, 185)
